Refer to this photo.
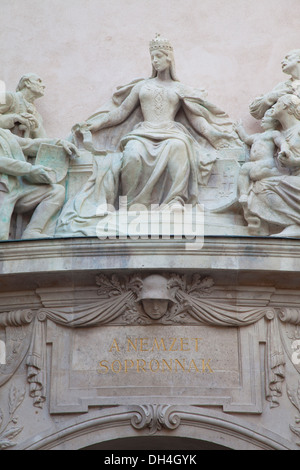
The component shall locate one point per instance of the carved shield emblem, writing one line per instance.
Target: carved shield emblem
(53, 157)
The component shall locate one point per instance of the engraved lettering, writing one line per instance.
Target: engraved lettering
(130, 343)
(144, 344)
(157, 345)
(104, 365)
(119, 367)
(206, 366)
(169, 366)
(193, 366)
(196, 343)
(177, 362)
(139, 366)
(154, 361)
(114, 346)
(129, 364)
(173, 345)
(184, 342)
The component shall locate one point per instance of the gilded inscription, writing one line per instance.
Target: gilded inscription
(170, 363)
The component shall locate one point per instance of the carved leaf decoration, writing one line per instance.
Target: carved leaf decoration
(102, 280)
(11, 432)
(110, 287)
(177, 281)
(199, 285)
(135, 315)
(15, 399)
(175, 318)
(155, 418)
(298, 395)
(295, 431)
(116, 283)
(293, 397)
(4, 444)
(135, 284)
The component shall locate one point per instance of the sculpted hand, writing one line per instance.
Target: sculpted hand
(26, 120)
(89, 127)
(82, 128)
(69, 148)
(40, 174)
(238, 125)
(32, 122)
(287, 159)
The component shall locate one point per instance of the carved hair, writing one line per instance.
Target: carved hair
(23, 80)
(294, 52)
(292, 104)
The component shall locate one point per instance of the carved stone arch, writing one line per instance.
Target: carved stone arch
(192, 423)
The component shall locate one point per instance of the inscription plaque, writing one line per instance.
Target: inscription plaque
(161, 364)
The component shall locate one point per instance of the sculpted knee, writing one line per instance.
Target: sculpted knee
(177, 147)
(59, 193)
(132, 153)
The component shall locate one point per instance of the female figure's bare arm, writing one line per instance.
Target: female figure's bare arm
(116, 116)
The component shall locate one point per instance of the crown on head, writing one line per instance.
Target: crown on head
(160, 43)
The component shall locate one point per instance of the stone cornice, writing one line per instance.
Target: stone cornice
(249, 254)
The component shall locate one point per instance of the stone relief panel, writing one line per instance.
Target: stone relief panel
(157, 145)
(153, 312)
(155, 341)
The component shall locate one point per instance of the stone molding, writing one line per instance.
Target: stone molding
(135, 421)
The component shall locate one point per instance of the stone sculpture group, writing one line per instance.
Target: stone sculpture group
(157, 145)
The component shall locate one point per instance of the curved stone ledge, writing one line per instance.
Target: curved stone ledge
(243, 255)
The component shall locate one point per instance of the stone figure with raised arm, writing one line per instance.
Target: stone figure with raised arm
(276, 199)
(18, 111)
(165, 141)
(290, 66)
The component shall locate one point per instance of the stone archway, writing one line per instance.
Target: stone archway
(191, 427)
(156, 443)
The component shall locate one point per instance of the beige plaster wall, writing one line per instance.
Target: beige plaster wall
(85, 48)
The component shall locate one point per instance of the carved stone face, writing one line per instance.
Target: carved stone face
(36, 85)
(155, 308)
(268, 121)
(278, 108)
(160, 60)
(290, 62)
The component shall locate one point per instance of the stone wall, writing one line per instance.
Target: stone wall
(84, 50)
